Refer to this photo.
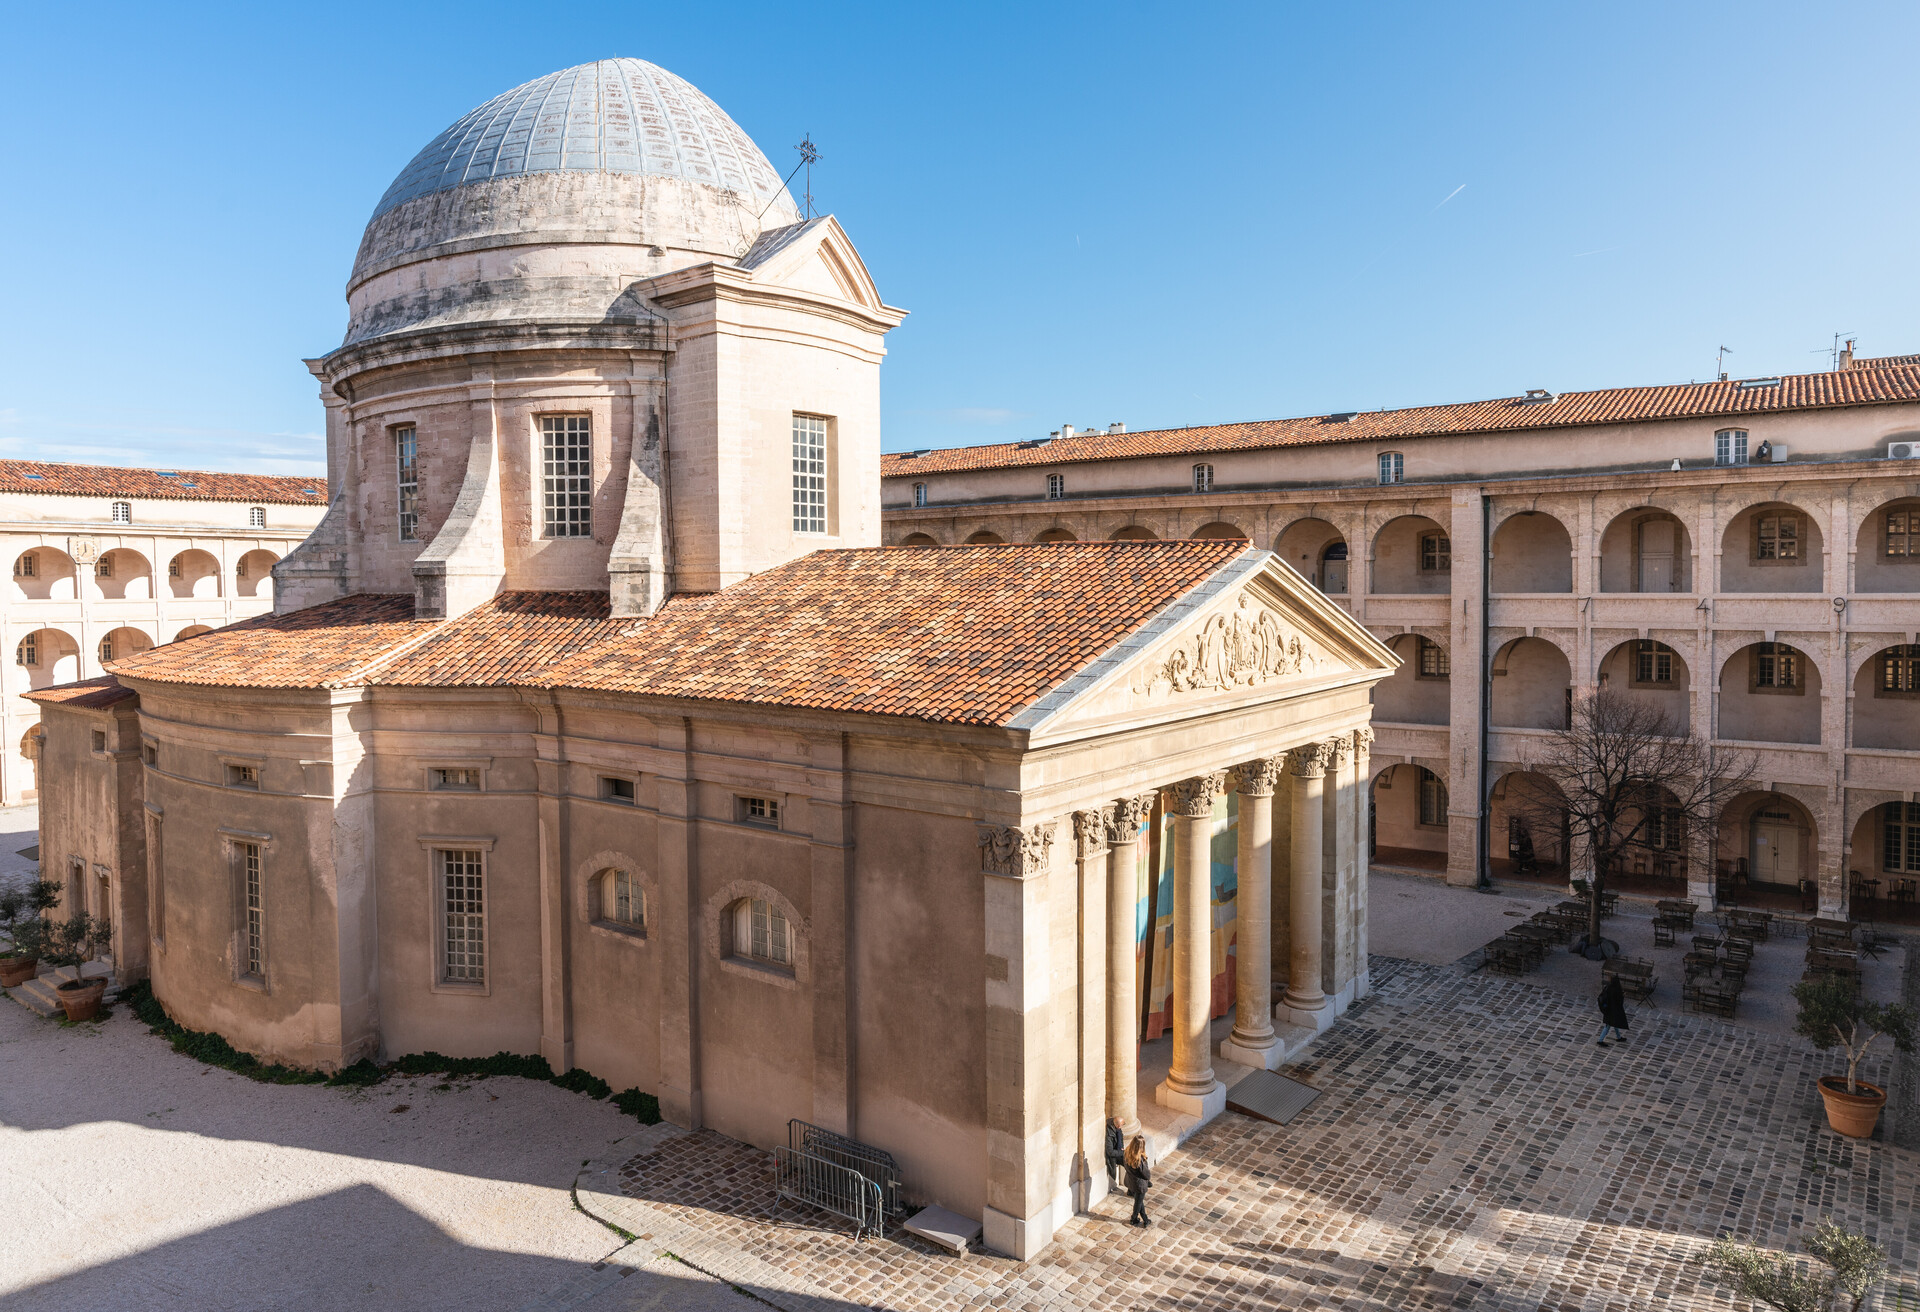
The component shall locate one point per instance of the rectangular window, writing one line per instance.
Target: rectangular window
(1903, 534)
(1436, 552)
(919, 494)
(456, 779)
(249, 854)
(616, 790)
(106, 649)
(1433, 799)
(243, 776)
(1777, 537)
(1664, 830)
(99, 740)
(1203, 478)
(809, 474)
(123, 512)
(103, 568)
(1900, 837)
(256, 516)
(1393, 467)
(1900, 670)
(26, 567)
(567, 450)
(156, 877)
(406, 464)
(1730, 446)
(759, 811)
(1056, 486)
(1653, 662)
(622, 899)
(463, 928)
(1434, 663)
(150, 753)
(1776, 666)
(28, 652)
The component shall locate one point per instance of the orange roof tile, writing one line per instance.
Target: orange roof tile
(511, 639)
(87, 694)
(49, 479)
(333, 645)
(1873, 384)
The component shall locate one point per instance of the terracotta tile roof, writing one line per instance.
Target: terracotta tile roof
(1873, 384)
(88, 694)
(511, 639)
(49, 479)
(333, 645)
(961, 634)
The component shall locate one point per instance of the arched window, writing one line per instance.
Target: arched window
(256, 516)
(761, 933)
(1203, 478)
(123, 512)
(621, 900)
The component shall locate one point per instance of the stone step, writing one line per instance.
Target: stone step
(38, 995)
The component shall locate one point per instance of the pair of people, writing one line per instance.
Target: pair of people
(1127, 1167)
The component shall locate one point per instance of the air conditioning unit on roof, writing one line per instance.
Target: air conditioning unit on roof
(1903, 450)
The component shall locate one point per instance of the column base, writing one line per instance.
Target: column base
(1204, 1105)
(1314, 1018)
(1266, 1058)
(1023, 1238)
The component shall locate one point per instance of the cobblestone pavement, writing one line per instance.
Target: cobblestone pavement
(1474, 1150)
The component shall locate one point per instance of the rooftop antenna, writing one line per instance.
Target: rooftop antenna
(1720, 363)
(1833, 352)
(809, 156)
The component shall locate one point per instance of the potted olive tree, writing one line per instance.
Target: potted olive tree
(21, 912)
(73, 943)
(1833, 1015)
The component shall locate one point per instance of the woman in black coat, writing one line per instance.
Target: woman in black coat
(1613, 1011)
(1139, 1180)
(1116, 1150)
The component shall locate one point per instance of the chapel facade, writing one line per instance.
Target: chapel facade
(594, 721)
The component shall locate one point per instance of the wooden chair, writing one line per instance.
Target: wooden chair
(1663, 927)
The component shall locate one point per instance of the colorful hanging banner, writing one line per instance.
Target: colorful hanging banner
(1154, 952)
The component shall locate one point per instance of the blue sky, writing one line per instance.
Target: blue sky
(1158, 215)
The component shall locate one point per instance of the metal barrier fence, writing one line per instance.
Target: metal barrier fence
(830, 1187)
(876, 1164)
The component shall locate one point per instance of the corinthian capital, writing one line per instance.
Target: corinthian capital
(1309, 761)
(1258, 778)
(1126, 817)
(1089, 834)
(1362, 743)
(1015, 853)
(1194, 797)
(1337, 748)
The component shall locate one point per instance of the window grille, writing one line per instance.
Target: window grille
(1393, 467)
(1436, 552)
(457, 779)
(1900, 837)
(919, 494)
(106, 649)
(1730, 446)
(567, 444)
(622, 900)
(1653, 662)
(250, 865)
(1056, 486)
(1778, 538)
(1433, 799)
(28, 566)
(1776, 665)
(809, 474)
(761, 932)
(173, 568)
(760, 811)
(1903, 534)
(406, 467)
(123, 512)
(103, 568)
(1434, 662)
(1900, 669)
(463, 927)
(256, 516)
(28, 652)
(1203, 478)
(243, 776)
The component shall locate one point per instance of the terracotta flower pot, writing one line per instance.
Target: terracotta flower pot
(1852, 1114)
(80, 999)
(15, 971)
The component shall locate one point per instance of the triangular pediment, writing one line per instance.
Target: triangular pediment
(814, 256)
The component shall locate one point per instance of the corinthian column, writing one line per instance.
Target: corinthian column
(1190, 1086)
(1124, 820)
(1252, 1042)
(1305, 1002)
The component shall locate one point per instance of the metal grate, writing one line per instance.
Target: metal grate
(830, 1187)
(568, 442)
(250, 857)
(809, 474)
(875, 1164)
(464, 933)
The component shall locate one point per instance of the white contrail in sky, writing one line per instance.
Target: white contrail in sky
(1450, 195)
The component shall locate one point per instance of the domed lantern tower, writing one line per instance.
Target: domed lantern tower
(593, 344)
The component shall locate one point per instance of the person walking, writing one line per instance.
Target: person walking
(1116, 1152)
(1139, 1180)
(1613, 1010)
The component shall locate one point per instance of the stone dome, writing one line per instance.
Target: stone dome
(614, 155)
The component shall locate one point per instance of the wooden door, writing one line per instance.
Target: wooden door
(1776, 849)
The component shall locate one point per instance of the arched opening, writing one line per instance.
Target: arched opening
(1532, 686)
(1528, 828)
(1055, 535)
(1408, 819)
(1646, 550)
(1887, 551)
(984, 538)
(192, 631)
(1886, 699)
(1883, 864)
(1650, 672)
(760, 934)
(918, 540)
(44, 574)
(121, 643)
(1412, 555)
(1133, 533)
(47, 657)
(1218, 530)
(1655, 861)
(1772, 547)
(123, 574)
(1419, 691)
(193, 573)
(1532, 552)
(1770, 693)
(1318, 550)
(619, 900)
(253, 574)
(1768, 851)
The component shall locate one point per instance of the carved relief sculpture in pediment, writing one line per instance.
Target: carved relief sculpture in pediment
(1238, 649)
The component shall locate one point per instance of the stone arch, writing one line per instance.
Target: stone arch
(193, 573)
(919, 540)
(1219, 530)
(1532, 552)
(1750, 834)
(1751, 711)
(1874, 570)
(123, 574)
(1772, 546)
(1133, 533)
(1412, 555)
(1532, 686)
(1411, 695)
(30, 743)
(120, 643)
(586, 875)
(1055, 534)
(252, 571)
(1397, 833)
(1306, 543)
(1518, 833)
(1886, 698)
(714, 933)
(985, 538)
(1874, 853)
(1624, 670)
(44, 573)
(1646, 548)
(55, 657)
(192, 631)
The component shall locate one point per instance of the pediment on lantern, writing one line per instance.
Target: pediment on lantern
(1266, 634)
(814, 256)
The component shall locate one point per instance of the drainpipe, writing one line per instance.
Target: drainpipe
(1485, 859)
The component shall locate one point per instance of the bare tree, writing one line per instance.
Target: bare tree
(1624, 775)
